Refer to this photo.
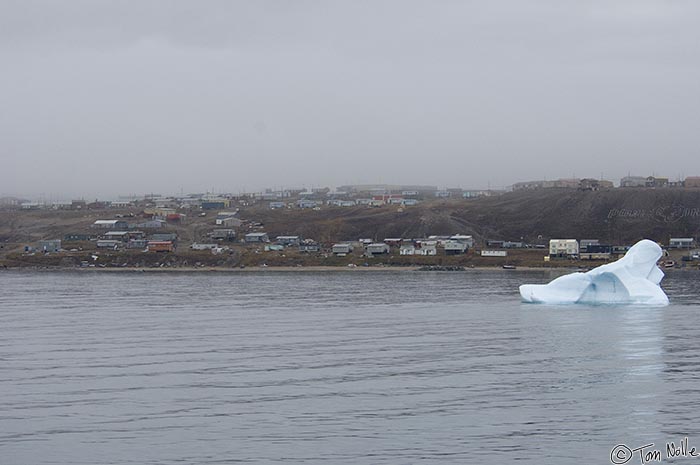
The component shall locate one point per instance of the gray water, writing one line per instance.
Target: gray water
(345, 367)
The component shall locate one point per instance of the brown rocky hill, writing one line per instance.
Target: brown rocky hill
(614, 216)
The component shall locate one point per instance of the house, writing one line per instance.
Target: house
(160, 246)
(341, 249)
(276, 205)
(122, 236)
(229, 222)
(393, 241)
(163, 212)
(303, 203)
(215, 204)
(114, 225)
(470, 194)
(620, 249)
(288, 240)
(377, 248)
(563, 247)
(341, 203)
(274, 248)
(466, 240)
(681, 243)
(176, 218)
(172, 237)
(198, 246)
(633, 181)
(443, 194)
(439, 240)
(222, 215)
(363, 201)
(77, 237)
(590, 184)
(494, 243)
(453, 247)
(426, 249)
(257, 237)
(223, 235)
(52, 245)
(597, 249)
(109, 244)
(137, 244)
(513, 245)
(585, 243)
(120, 203)
(407, 249)
(409, 202)
(309, 247)
(692, 182)
(652, 181)
(494, 253)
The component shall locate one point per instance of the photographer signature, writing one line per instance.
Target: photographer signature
(622, 453)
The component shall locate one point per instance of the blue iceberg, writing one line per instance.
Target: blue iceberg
(633, 279)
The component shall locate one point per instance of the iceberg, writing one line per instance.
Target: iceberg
(633, 279)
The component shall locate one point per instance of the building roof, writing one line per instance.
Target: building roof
(107, 221)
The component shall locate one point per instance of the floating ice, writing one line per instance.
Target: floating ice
(633, 279)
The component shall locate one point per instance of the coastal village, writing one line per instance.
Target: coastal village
(248, 230)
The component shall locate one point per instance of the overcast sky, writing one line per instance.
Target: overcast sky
(99, 98)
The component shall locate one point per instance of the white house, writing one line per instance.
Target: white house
(681, 243)
(110, 224)
(426, 249)
(407, 249)
(464, 239)
(494, 253)
(563, 247)
(342, 249)
(197, 246)
(377, 248)
(453, 247)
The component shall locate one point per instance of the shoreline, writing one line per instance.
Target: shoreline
(282, 269)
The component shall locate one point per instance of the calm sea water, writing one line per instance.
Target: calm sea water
(346, 368)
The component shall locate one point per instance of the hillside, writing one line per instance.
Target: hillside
(615, 216)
